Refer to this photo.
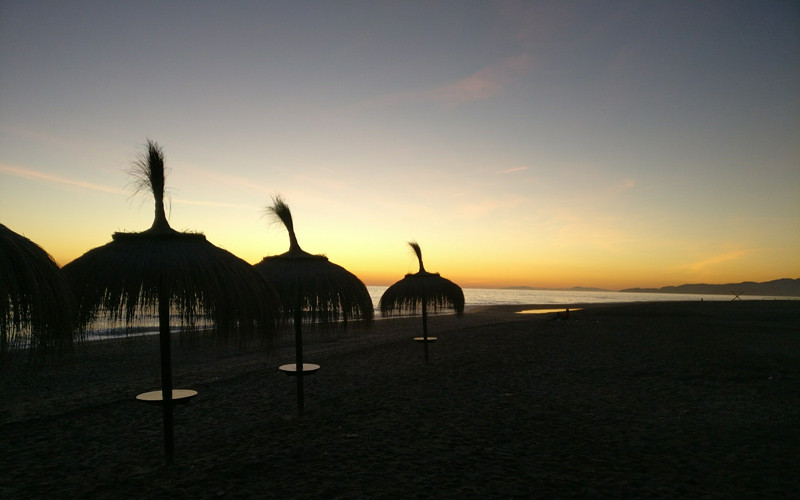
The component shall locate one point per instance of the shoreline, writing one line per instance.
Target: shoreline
(633, 399)
(118, 332)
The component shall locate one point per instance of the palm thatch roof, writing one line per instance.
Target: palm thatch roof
(121, 280)
(408, 295)
(327, 293)
(36, 304)
(163, 271)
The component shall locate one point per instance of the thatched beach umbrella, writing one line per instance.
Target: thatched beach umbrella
(312, 289)
(419, 292)
(36, 304)
(172, 272)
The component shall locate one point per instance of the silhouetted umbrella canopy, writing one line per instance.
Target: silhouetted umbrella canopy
(36, 304)
(122, 278)
(409, 294)
(327, 292)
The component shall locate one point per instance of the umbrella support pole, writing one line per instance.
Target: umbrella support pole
(425, 328)
(166, 373)
(298, 346)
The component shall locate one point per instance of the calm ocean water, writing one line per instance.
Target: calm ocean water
(498, 296)
(484, 297)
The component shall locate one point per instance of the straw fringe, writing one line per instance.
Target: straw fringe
(328, 292)
(36, 304)
(407, 295)
(120, 281)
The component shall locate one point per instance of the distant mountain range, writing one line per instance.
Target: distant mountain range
(785, 287)
(782, 287)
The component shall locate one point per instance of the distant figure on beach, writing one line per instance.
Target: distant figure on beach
(560, 315)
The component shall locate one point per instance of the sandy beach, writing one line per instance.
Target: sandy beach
(670, 400)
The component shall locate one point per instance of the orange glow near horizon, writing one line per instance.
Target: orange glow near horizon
(387, 264)
(382, 265)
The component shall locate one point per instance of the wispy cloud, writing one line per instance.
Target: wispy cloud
(217, 178)
(56, 179)
(488, 205)
(217, 204)
(482, 84)
(511, 170)
(583, 228)
(703, 265)
(64, 142)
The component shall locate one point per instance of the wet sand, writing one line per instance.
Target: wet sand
(678, 399)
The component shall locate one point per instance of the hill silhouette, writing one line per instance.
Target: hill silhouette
(780, 287)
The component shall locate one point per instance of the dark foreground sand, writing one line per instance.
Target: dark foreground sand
(639, 400)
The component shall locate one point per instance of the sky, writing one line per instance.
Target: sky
(547, 144)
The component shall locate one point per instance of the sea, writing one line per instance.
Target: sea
(474, 297)
(509, 296)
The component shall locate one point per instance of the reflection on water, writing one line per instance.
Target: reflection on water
(545, 311)
(501, 296)
(143, 324)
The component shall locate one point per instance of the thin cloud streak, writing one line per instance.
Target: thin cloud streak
(486, 206)
(703, 265)
(511, 170)
(483, 84)
(33, 174)
(55, 179)
(217, 204)
(216, 179)
(75, 144)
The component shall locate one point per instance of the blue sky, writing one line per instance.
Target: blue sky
(547, 144)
